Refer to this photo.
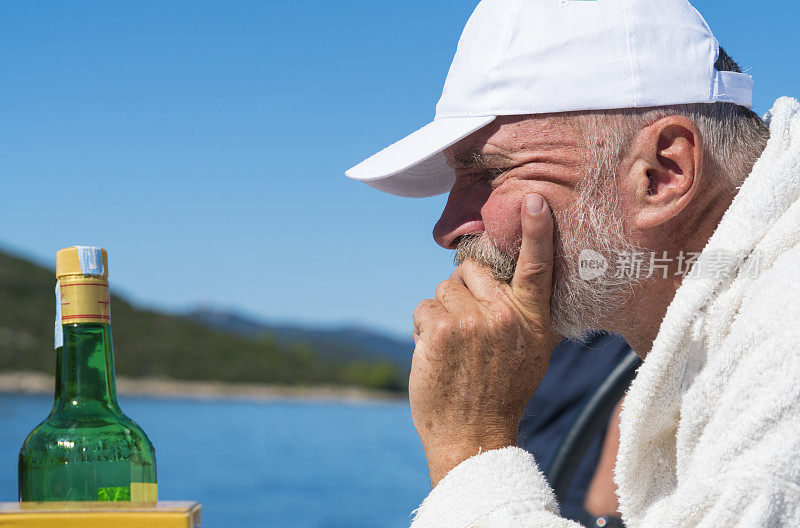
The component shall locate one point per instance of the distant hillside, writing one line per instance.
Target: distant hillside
(153, 344)
(344, 343)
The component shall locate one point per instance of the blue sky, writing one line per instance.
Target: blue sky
(204, 143)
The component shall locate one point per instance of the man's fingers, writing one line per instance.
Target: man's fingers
(478, 279)
(454, 295)
(427, 313)
(531, 284)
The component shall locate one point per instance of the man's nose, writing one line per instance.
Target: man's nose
(443, 235)
(463, 213)
(455, 222)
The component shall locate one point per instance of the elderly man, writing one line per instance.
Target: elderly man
(605, 173)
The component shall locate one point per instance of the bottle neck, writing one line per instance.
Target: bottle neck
(85, 368)
(84, 351)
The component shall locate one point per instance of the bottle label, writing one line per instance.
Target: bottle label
(91, 260)
(84, 299)
(59, 331)
(113, 493)
(137, 492)
(144, 492)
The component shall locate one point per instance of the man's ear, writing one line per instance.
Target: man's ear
(666, 171)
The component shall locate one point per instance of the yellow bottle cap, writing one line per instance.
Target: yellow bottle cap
(82, 260)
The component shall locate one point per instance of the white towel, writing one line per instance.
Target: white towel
(710, 431)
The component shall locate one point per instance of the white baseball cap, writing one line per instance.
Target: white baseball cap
(520, 57)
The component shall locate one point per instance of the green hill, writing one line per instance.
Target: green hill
(153, 344)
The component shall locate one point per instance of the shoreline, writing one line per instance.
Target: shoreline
(30, 382)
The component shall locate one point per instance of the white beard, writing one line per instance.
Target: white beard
(577, 306)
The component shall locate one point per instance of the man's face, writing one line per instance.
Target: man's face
(512, 157)
(501, 163)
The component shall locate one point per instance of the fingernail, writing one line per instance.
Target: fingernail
(534, 203)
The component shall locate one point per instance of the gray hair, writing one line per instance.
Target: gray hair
(733, 136)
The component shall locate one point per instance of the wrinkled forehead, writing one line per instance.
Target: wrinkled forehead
(507, 138)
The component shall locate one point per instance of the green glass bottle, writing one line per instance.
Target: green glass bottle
(86, 449)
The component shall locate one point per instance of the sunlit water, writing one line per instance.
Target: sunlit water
(261, 463)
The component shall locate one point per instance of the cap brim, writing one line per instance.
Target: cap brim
(415, 166)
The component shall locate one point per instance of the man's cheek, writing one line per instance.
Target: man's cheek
(502, 222)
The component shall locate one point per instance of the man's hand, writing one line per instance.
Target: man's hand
(482, 348)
